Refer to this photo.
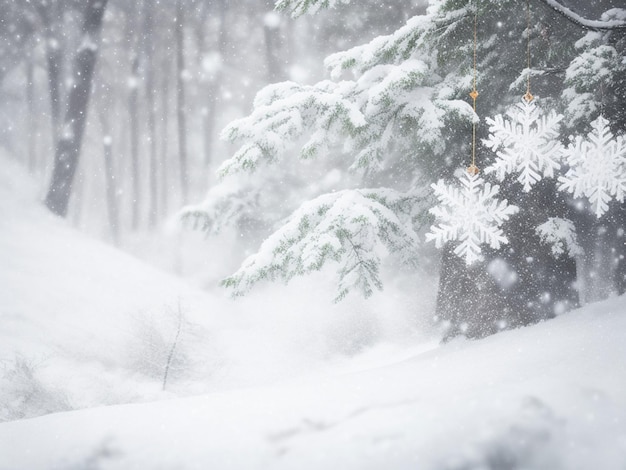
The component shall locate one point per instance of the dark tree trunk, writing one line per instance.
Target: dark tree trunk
(614, 107)
(272, 55)
(603, 263)
(180, 100)
(148, 38)
(619, 249)
(612, 97)
(215, 86)
(69, 145)
(546, 284)
(469, 301)
(51, 15)
(76, 208)
(133, 117)
(110, 179)
(165, 109)
(54, 59)
(520, 284)
(31, 116)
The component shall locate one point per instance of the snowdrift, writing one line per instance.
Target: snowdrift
(552, 396)
(282, 380)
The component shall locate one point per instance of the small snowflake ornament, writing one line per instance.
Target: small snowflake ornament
(597, 167)
(525, 142)
(470, 213)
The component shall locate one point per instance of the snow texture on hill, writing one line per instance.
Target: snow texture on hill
(81, 318)
(552, 396)
(83, 324)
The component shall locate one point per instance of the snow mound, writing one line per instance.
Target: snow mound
(85, 325)
(551, 396)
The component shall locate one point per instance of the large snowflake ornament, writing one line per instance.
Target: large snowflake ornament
(597, 167)
(471, 214)
(526, 143)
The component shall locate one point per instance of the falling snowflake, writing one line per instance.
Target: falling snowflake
(525, 143)
(597, 167)
(470, 214)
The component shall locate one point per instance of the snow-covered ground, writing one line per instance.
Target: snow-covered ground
(281, 379)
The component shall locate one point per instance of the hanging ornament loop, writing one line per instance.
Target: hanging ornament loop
(528, 97)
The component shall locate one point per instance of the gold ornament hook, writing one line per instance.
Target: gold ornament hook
(473, 170)
(528, 97)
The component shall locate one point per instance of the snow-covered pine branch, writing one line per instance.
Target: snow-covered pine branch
(525, 144)
(595, 25)
(597, 64)
(226, 205)
(400, 106)
(254, 203)
(561, 235)
(287, 112)
(421, 33)
(392, 49)
(405, 109)
(300, 7)
(353, 228)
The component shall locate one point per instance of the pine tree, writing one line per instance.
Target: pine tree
(396, 110)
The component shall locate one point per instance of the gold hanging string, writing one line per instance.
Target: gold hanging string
(528, 96)
(473, 169)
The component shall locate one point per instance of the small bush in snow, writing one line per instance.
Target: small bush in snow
(157, 349)
(24, 395)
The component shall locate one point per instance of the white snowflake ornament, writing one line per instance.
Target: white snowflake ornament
(471, 214)
(525, 142)
(597, 167)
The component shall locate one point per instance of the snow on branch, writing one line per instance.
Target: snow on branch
(353, 228)
(585, 76)
(595, 25)
(561, 235)
(224, 206)
(287, 112)
(394, 48)
(300, 7)
(404, 110)
(400, 107)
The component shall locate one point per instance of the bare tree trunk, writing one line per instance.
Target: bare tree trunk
(76, 208)
(110, 180)
(620, 250)
(170, 356)
(31, 116)
(150, 99)
(214, 89)
(271, 31)
(180, 100)
(133, 116)
(518, 285)
(165, 108)
(69, 145)
(51, 15)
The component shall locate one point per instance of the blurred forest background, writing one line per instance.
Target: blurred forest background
(169, 75)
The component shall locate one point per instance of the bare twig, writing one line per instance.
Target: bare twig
(173, 348)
